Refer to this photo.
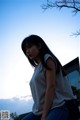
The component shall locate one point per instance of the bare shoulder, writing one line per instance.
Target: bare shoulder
(50, 63)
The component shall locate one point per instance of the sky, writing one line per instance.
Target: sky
(20, 18)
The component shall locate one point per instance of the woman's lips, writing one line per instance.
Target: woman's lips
(30, 55)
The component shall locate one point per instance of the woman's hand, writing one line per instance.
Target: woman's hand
(43, 118)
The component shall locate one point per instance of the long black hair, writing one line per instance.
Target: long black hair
(36, 40)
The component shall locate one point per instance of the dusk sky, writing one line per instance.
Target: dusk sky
(20, 18)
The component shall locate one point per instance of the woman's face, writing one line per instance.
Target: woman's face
(32, 51)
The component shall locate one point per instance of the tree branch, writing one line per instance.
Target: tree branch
(61, 4)
(77, 33)
(74, 4)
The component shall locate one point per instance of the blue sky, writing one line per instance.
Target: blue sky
(20, 18)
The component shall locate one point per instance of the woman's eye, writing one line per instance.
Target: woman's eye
(29, 46)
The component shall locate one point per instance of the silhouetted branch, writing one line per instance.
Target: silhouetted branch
(63, 4)
(77, 33)
(73, 4)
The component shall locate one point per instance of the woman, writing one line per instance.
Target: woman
(49, 86)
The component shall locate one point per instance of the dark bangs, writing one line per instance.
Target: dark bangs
(29, 41)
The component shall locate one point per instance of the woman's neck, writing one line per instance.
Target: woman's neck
(37, 59)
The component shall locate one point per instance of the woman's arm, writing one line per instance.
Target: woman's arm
(51, 84)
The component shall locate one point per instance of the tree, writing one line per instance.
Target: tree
(13, 115)
(73, 4)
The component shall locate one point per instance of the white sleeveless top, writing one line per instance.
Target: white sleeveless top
(62, 92)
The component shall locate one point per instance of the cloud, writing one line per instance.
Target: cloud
(18, 105)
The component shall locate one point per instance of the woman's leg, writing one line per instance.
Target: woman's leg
(59, 113)
(31, 116)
